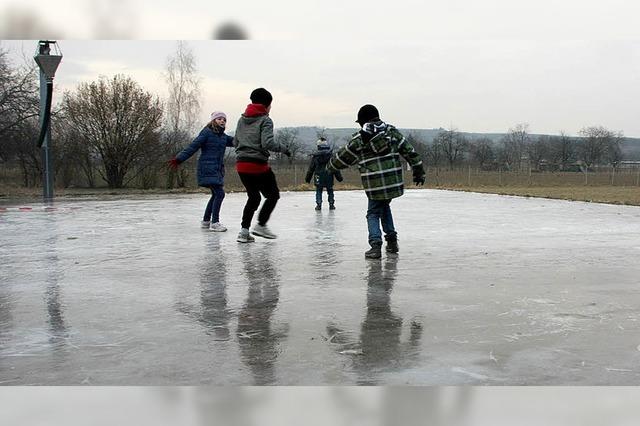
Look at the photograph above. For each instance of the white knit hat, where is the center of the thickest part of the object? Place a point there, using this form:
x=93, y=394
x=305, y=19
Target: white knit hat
x=218, y=114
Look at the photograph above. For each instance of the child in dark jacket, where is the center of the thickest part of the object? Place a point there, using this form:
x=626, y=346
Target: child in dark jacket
x=212, y=143
x=253, y=141
x=377, y=149
x=323, y=178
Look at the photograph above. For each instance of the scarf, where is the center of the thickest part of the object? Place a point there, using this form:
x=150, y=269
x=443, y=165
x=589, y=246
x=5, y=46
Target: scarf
x=372, y=128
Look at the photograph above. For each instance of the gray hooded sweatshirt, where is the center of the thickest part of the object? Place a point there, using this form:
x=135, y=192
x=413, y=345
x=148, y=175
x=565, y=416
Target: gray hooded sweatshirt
x=254, y=139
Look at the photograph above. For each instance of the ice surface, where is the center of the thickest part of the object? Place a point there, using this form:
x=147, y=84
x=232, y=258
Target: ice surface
x=486, y=290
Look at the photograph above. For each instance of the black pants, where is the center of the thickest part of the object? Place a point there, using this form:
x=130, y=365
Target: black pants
x=256, y=184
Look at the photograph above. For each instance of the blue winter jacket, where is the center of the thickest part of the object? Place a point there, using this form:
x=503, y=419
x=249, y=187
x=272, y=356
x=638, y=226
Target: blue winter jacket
x=211, y=162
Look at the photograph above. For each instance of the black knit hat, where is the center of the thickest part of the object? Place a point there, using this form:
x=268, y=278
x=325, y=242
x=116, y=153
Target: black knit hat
x=261, y=96
x=367, y=113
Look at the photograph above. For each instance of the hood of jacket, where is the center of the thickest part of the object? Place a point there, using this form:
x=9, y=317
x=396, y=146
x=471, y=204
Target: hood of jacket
x=372, y=129
x=323, y=155
x=255, y=110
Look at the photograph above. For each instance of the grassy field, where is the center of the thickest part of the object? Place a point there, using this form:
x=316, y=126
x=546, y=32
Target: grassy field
x=595, y=194
x=601, y=187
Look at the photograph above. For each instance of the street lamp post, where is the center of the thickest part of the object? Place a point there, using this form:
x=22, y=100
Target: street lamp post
x=48, y=63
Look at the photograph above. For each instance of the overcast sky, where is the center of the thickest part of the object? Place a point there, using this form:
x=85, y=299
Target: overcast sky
x=476, y=86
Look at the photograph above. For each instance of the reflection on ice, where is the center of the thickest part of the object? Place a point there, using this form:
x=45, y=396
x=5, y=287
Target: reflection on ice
x=258, y=338
x=379, y=348
x=212, y=312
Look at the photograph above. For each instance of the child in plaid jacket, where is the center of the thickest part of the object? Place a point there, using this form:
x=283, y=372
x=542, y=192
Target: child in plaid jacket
x=377, y=149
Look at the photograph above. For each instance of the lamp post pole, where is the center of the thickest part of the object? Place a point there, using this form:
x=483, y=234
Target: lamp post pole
x=47, y=161
x=48, y=63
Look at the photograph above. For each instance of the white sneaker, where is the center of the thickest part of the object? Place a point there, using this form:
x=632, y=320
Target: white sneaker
x=263, y=231
x=218, y=227
x=205, y=224
x=244, y=236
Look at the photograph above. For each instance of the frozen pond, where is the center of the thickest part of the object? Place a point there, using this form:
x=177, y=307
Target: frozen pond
x=486, y=290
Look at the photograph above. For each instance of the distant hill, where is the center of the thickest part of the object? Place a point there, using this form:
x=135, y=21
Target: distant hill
x=308, y=135
x=631, y=149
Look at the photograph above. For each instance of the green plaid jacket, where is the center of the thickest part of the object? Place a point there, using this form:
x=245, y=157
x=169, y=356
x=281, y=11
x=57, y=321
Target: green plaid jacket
x=379, y=162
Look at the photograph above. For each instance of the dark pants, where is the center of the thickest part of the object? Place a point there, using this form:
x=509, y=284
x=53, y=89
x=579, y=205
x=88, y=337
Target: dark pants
x=379, y=212
x=319, y=194
x=256, y=184
x=212, y=211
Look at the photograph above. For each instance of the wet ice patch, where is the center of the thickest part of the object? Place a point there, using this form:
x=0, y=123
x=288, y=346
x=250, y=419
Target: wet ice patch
x=32, y=343
x=528, y=300
x=469, y=373
x=351, y=352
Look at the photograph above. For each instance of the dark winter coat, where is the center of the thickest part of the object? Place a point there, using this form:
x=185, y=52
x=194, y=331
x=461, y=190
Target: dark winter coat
x=318, y=168
x=212, y=145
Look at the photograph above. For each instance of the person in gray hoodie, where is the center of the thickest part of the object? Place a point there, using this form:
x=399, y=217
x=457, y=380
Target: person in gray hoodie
x=253, y=141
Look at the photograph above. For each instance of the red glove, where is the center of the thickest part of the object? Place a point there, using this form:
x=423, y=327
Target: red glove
x=173, y=163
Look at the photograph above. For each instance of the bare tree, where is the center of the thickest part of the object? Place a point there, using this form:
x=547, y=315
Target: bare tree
x=288, y=136
x=418, y=144
x=614, y=150
x=514, y=145
x=118, y=119
x=595, y=143
x=561, y=150
x=75, y=157
x=19, y=110
x=66, y=167
x=434, y=153
x=183, y=105
x=538, y=150
x=25, y=150
x=19, y=101
x=482, y=152
x=452, y=144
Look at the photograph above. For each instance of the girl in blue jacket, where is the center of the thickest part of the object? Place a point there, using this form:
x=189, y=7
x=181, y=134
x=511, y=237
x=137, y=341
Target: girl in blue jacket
x=212, y=142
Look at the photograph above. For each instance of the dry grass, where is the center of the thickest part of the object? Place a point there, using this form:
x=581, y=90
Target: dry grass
x=601, y=187
x=565, y=186
x=596, y=194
